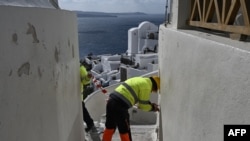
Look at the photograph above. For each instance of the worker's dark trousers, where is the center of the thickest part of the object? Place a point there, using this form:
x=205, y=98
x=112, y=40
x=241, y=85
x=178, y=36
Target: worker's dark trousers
x=117, y=116
x=88, y=89
x=86, y=117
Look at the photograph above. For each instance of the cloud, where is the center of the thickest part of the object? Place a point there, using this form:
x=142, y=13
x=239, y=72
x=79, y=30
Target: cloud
x=147, y=6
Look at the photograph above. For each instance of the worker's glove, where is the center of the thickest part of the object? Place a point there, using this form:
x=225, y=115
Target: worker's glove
x=89, y=75
x=155, y=107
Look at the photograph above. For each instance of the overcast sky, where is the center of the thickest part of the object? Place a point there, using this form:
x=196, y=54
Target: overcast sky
x=146, y=6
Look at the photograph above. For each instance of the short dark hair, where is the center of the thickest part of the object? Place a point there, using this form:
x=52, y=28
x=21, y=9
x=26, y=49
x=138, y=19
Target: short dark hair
x=86, y=65
x=154, y=85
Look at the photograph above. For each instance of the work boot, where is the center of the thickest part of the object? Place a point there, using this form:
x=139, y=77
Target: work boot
x=94, y=134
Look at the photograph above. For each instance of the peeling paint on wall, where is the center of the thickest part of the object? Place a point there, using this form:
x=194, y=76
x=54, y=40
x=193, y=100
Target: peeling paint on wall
x=32, y=30
x=14, y=38
x=56, y=54
x=39, y=72
x=10, y=73
x=68, y=43
x=56, y=75
x=53, y=73
x=73, y=51
x=44, y=46
x=24, y=69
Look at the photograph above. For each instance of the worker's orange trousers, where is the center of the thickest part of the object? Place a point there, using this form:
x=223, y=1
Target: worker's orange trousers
x=124, y=137
x=108, y=133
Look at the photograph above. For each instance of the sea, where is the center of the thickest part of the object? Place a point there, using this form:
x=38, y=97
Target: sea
x=109, y=35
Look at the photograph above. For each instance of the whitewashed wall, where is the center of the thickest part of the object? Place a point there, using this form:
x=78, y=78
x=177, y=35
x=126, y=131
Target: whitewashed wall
x=39, y=75
x=205, y=80
x=31, y=3
x=205, y=83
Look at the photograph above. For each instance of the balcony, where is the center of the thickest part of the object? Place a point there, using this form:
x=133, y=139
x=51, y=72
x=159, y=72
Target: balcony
x=230, y=16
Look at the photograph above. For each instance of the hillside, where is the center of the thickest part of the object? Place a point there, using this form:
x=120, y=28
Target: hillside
x=103, y=14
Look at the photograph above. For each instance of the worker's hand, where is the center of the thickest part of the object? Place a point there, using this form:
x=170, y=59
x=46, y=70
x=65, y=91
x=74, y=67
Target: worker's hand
x=90, y=75
x=155, y=107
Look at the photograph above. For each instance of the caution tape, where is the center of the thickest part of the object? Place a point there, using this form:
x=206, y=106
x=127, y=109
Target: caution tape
x=99, y=85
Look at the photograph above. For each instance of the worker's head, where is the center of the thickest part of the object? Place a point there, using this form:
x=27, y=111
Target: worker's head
x=83, y=62
x=87, y=65
x=155, y=82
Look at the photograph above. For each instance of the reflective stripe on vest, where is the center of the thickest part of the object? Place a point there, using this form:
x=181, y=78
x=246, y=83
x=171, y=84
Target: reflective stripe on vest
x=134, y=95
x=122, y=98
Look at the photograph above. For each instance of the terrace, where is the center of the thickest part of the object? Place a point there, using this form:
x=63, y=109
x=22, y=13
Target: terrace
x=230, y=16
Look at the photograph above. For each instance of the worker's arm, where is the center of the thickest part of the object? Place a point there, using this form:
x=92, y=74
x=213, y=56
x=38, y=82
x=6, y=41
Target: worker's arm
x=148, y=106
x=85, y=76
x=144, y=106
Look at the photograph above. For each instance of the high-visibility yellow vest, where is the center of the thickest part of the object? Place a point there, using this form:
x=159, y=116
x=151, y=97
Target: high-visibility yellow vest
x=84, y=78
x=141, y=87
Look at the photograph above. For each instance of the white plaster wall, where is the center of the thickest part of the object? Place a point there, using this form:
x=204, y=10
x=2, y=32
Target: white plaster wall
x=31, y=3
x=205, y=83
x=179, y=13
x=39, y=85
x=143, y=29
x=133, y=41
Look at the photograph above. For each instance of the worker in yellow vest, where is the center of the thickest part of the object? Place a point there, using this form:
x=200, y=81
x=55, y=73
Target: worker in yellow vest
x=133, y=91
x=85, y=76
x=85, y=91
